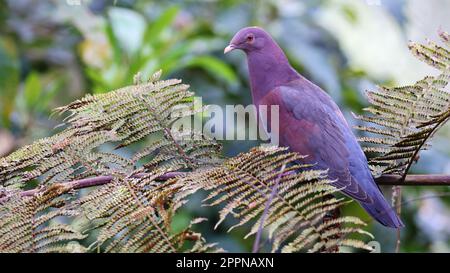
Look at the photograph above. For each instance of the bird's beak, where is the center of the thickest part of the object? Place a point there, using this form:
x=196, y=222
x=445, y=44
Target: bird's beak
x=228, y=48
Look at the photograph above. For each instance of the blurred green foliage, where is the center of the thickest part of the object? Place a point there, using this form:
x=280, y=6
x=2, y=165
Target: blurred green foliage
x=159, y=47
x=52, y=52
x=9, y=78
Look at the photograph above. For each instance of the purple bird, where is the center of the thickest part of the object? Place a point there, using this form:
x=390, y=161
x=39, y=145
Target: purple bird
x=310, y=122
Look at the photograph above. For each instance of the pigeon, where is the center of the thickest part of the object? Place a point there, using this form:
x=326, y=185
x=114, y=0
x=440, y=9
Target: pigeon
x=310, y=122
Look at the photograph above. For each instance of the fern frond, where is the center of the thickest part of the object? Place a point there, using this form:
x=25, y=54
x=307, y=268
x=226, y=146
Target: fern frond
x=120, y=117
x=36, y=224
x=244, y=183
x=403, y=119
x=128, y=214
x=133, y=215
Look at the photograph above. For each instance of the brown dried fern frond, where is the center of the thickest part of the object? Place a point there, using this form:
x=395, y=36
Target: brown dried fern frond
x=126, y=210
x=244, y=183
x=403, y=119
x=37, y=223
x=135, y=215
x=119, y=118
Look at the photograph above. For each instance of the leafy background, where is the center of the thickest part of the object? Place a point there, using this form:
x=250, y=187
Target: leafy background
x=53, y=52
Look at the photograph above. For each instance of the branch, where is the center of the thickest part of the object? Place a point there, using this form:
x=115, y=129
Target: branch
x=414, y=180
x=77, y=184
x=386, y=179
x=92, y=182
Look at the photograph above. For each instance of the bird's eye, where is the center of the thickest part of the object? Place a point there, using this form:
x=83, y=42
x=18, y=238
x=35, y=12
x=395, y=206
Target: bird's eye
x=250, y=38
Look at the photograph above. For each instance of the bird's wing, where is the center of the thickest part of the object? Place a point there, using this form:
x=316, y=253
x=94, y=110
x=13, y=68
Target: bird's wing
x=312, y=124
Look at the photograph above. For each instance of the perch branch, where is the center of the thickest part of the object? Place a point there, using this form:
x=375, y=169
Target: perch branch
x=386, y=179
x=94, y=181
x=414, y=180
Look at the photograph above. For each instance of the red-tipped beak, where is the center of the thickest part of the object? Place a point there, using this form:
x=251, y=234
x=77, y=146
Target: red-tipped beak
x=228, y=49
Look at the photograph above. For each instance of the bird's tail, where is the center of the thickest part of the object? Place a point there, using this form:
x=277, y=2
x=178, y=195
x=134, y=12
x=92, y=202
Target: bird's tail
x=383, y=212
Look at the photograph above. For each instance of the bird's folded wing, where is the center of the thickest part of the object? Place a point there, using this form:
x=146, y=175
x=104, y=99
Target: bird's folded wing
x=311, y=124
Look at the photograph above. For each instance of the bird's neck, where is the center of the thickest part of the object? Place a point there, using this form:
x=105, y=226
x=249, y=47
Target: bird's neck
x=268, y=71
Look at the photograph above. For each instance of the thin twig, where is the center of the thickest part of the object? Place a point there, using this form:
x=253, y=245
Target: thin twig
x=266, y=210
x=398, y=190
x=397, y=203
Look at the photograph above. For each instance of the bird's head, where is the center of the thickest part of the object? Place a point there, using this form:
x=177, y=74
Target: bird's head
x=249, y=39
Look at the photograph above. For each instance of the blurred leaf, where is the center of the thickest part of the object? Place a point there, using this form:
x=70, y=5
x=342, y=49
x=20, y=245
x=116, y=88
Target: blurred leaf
x=215, y=67
x=161, y=23
x=172, y=58
x=128, y=27
x=50, y=91
x=32, y=90
x=9, y=79
x=113, y=42
x=153, y=48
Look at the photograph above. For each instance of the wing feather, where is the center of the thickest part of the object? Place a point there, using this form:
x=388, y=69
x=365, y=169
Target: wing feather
x=312, y=124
